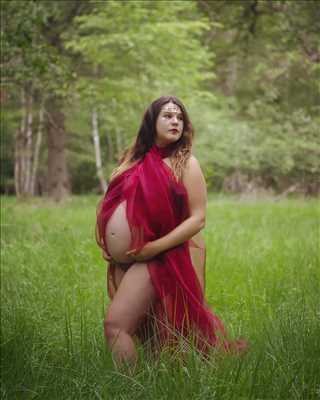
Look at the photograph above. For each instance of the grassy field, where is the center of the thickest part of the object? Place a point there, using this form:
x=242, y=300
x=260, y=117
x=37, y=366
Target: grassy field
x=263, y=280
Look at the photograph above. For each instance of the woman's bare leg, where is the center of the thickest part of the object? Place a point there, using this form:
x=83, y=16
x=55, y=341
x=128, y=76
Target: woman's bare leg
x=131, y=301
x=118, y=275
x=113, y=279
x=197, y=255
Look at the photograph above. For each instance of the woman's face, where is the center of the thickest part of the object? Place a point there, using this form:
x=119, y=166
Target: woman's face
x=169, y=125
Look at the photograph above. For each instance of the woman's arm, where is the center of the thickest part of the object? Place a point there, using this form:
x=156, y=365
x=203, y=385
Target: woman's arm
x=195, y=185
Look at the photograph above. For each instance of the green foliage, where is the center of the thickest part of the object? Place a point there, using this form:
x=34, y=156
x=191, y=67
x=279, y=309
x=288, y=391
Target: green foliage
x=84, y=178
x=30, y=57
x=134, y=60
x=246, y=70
x=267, y=57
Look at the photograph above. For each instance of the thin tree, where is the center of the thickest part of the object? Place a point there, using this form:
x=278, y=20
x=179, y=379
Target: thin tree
x=97, y=149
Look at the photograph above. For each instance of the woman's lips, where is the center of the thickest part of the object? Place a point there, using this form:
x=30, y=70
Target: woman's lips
x=174, y=130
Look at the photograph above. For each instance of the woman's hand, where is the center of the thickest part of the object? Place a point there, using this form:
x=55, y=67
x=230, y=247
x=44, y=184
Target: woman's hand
x=106, y=256
x=148, y=251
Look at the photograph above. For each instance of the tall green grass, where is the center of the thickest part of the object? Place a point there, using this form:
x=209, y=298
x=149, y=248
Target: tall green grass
x=262, y=280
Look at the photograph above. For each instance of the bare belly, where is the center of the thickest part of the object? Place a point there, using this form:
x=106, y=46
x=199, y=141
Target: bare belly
x=118, y=234
x=118, y=238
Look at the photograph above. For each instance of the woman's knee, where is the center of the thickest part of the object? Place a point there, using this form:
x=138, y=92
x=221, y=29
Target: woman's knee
x=112, y=328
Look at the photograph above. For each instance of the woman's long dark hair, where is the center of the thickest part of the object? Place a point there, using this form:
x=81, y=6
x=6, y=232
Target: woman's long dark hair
x=147, y=133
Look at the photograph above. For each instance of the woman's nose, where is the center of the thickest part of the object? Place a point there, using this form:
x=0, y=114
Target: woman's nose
x=175, y=120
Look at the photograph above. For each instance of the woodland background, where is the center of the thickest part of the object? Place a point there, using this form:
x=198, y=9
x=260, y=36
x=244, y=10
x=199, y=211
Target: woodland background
x=77, y=76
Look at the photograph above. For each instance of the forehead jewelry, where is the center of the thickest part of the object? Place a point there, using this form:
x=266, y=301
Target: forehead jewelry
x=171, y=108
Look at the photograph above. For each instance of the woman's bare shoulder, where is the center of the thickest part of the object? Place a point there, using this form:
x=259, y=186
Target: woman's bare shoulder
x=192, y=166
x=195, y=185
x=192, y=160
x=192, y=174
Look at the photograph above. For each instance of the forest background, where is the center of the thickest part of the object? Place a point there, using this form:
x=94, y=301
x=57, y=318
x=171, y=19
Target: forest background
x=77, y=76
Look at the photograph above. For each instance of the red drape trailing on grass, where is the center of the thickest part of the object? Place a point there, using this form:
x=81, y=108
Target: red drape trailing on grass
x=156, y=204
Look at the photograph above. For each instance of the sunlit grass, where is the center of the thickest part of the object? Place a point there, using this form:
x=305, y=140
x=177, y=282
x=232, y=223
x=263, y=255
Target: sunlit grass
x=262, y=280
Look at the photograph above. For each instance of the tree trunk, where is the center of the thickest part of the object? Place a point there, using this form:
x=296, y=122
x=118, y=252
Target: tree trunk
x=97, y=150
x=37, y=151
x=18, y=156
x=23, y=146
x=17, y=162
x=28, y=147
x=58, y=176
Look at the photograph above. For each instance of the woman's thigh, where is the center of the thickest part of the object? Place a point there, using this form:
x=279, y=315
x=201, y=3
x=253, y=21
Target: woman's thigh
x=132, y=300
x=118, y=275
x=197, y=255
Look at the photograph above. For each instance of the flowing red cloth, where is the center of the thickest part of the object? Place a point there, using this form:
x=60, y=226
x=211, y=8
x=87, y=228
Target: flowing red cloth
x=156, y=204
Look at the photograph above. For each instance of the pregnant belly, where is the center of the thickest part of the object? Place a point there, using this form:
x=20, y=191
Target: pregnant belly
x=118, y=234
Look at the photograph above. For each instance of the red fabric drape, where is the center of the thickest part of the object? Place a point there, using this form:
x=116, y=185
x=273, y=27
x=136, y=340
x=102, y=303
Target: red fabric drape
x=156, y=204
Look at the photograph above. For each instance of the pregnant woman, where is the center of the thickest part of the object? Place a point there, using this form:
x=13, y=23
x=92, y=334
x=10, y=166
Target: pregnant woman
x=148, y=226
